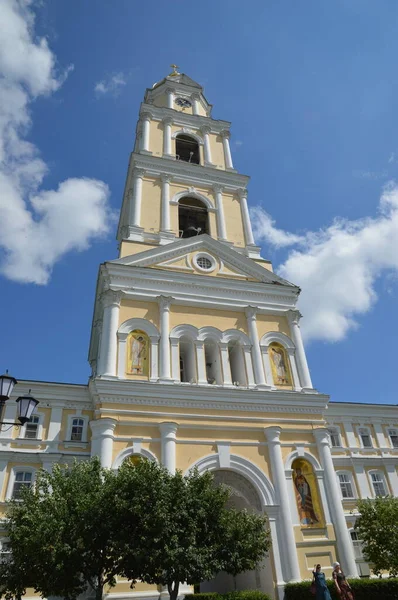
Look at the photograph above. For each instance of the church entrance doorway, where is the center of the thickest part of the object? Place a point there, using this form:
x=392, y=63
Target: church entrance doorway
x=244, y=496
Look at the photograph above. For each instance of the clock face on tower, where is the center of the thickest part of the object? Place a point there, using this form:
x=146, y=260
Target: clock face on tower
x=183, y=102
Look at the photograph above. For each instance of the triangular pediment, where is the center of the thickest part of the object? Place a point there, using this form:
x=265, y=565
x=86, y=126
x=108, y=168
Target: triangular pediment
x=180, y=256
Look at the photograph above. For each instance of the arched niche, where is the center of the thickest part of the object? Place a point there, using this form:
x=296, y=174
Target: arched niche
x=187, y=148
x=307, y=494
x=279, y=360
x=193, y=217
x=126, y=336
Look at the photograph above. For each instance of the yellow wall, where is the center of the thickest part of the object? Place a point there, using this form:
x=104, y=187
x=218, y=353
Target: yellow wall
x=130, y=309
x=200, y=317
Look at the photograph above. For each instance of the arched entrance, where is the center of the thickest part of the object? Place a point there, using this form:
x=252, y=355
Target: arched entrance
x=244, y=496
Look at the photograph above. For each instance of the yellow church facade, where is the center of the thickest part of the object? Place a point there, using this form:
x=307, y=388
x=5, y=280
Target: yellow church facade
x=198, y=361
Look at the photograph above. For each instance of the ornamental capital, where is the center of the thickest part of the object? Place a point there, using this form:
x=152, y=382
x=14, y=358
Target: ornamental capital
x=251, y=312
x=138, y=173
x=294, y=316
x=111, y=298
x=146, y=115
x=242, y=193
x=218, y=189
x=195, y=96
x=225, y=133
x=164, y=178
x=273, y=434
x=205, y=129
x=164, y=302
x=167, y=121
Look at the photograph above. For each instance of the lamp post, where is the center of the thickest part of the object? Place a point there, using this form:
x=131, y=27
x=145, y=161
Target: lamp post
x=26, y=404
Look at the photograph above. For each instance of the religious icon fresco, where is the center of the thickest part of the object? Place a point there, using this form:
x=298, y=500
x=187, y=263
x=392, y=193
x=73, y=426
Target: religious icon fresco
x=280, y=365
x=307, y=495
x=138, y=354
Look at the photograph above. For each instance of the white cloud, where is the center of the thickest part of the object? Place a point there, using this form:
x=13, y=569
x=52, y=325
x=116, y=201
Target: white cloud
x=37, y=227
x=112, y=85
x=264, y=229
x=337, y=268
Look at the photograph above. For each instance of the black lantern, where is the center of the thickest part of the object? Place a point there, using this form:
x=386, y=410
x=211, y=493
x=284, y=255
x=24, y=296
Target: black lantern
x=6, y=386
x=26, y=406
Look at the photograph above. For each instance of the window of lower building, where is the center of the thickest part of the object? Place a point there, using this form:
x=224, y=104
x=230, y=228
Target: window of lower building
x=22, y=479
x=335, y=441
x=346, y=485
x=32, y=428
x=77, y=430
x=379, y=486
x=357, y=543
x=393, y=434
x=366, y=440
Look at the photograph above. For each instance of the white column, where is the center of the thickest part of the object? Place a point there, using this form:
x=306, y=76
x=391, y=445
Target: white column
x=222, y=232
x=108, y=352
x=136, y=198
x=226, y=367
x=168, y=432
x=167, y=136
x=170, y=98
x=293, y=365
x=175, y=359
x=201, y=361
x=3, y=473
x=154, y=372
x=102, y=440
x=267, y=367
x=247, y=226
x=247, y=353
x=227, y=150
x=9, y=413
x=294, y=317
x=146, y=119
x=362, y=480
x=256, y=352
x=165, y=217
x=350, y=435
x=392, y=477
x=344, y=545
x=285, y=524
x=164, y=310
x=206, y=139
x=54, y=428
x=380, y=437
x=195, y=103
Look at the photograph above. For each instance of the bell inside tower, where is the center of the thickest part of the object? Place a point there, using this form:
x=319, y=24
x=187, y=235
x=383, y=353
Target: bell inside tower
x=193, y=218
x=187, y=149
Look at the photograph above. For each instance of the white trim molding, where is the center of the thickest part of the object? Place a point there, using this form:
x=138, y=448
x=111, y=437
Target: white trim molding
x=134, y=450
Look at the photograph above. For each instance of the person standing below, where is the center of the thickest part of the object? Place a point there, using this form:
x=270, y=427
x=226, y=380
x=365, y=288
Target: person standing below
x=342, y=586
x=322, y=592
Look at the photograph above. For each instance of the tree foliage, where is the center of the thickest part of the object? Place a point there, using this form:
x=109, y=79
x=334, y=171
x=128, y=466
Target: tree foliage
x=84, y=525
x=377, y=527
x=199, y=536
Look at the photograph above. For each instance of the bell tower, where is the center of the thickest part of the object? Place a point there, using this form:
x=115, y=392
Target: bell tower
x=189, y=300
x=181, y=181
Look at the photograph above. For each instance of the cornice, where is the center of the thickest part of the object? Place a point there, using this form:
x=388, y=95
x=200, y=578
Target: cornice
x=55, y=394
x=206, y=397
x=188, y=172
x=137, y=283
x=181, y=118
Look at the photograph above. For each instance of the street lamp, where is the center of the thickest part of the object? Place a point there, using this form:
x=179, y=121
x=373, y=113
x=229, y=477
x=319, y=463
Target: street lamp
x=26, y=404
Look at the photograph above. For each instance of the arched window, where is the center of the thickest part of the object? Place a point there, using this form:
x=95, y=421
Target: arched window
x=307, y=494
x=187, y=149
x=280, y=365
x=138, y=350
x=193, y=218
x=213, y=363
x=187, y=361
x=237, y=363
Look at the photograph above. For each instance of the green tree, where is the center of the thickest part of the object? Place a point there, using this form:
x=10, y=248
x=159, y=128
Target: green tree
x=192, y=532
x=64, y=533
x=377, y=527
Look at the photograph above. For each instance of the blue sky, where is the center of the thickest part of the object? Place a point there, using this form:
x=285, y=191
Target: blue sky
x=311, y=90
